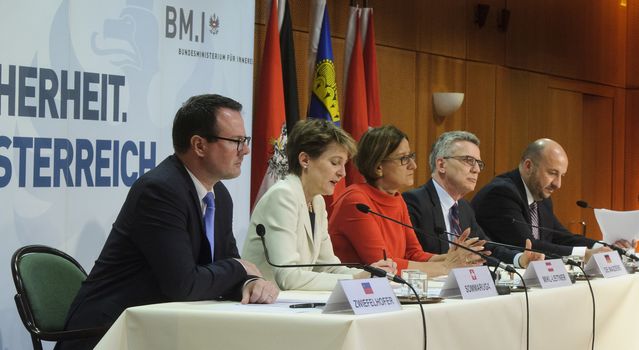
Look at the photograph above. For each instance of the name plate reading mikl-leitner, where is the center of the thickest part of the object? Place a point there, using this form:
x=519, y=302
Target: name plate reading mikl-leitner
x=547, y=274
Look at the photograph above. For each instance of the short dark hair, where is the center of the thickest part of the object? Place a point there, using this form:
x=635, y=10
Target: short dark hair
x=313, y=136
x=375, y=145
x=194, y=118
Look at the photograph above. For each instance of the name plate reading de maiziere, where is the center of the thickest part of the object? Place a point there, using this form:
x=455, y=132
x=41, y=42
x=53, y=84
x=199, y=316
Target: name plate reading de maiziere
x=547, y=274
x=469, y=283
x=606, y=264
x=362, y=296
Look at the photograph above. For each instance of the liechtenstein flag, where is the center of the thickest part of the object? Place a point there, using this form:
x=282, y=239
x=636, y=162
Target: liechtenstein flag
x=367, y=288
x=324, y=102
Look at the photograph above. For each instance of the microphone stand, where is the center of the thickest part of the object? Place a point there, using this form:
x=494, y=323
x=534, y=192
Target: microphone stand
x=573, y=263
x=621, y=251
x=565, y=259
x=489, y=259
x=374, y=271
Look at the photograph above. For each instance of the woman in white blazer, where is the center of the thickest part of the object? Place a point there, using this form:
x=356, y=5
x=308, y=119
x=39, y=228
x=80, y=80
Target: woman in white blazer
x=293, y=211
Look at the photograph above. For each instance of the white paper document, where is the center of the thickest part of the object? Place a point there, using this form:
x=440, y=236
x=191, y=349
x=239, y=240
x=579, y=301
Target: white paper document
x=616, y=225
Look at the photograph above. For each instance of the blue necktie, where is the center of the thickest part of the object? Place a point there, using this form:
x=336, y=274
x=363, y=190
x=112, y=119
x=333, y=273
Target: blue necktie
x=209, y=218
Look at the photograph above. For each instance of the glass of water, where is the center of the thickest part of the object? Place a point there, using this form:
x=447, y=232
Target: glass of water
x=417, y=279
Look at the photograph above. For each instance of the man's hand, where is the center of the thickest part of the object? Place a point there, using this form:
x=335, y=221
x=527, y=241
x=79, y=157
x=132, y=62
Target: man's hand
x=590, y=252
x=250, y=268
x=529, y=256
x=462, y=258
x=260, y=291
x=623, y=244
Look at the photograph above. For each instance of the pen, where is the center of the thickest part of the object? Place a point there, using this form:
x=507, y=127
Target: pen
x=306, y=305
x=384, y=251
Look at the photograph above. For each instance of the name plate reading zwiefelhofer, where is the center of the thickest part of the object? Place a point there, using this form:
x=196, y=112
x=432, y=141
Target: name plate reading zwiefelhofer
x=362, y=296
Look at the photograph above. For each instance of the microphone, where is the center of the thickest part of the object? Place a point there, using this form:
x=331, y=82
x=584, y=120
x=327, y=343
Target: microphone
x=374, y=271
x=584, y=204
x=516, y=247
x=621, y=251
x=566, y=260
x=491, y=261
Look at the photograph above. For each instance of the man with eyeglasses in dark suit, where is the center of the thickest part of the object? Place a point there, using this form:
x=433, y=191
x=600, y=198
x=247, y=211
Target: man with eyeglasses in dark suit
x=173, y=239
x=438, y=207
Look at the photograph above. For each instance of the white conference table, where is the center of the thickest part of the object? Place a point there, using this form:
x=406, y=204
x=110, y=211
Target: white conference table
x=560, y=318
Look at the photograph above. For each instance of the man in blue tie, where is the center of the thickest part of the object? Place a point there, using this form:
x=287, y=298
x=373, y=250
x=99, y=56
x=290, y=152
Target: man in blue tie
x=173, y=239
x=438, y=206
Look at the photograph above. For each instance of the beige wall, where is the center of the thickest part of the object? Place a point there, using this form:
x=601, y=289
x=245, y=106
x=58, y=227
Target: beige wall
x=564, y=69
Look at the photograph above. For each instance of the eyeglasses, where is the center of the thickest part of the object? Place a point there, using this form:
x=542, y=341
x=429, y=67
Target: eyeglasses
x=471, y=161
x=241, y=141
x=403, y=160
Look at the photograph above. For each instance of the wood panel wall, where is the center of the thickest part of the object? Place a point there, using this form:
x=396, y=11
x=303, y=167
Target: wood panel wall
x=564, y=69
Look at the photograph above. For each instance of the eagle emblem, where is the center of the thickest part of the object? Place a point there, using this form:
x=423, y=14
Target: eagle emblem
x=214, y=24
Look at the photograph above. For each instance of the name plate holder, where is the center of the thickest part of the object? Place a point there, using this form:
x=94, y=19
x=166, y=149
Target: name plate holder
x=547, y=274
x=606, y=264
x=361, y=297
x=469, y=283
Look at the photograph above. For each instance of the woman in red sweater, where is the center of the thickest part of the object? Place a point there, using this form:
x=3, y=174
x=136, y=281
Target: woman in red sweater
x=386, y=162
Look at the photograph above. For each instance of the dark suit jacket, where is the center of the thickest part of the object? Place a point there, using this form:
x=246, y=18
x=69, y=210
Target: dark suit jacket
x=157, y=252
x=425, y=211
x=504, y=199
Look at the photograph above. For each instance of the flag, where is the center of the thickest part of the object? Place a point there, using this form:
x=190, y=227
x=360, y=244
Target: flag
x=316, y=15
x=355, y=119
x=324, y=100
x=370, y=69
x=269, y=116
x=549, y=266
x=367, y=288
x=289, y=75
x=367, y=33
x=349, y=41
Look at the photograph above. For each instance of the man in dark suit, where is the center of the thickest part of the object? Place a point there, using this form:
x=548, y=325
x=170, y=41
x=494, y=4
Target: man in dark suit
x=512, y=202
x=158, y=250
x=438, y=206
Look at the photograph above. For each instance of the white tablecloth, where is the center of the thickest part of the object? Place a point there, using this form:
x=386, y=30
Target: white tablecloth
x=559, y=319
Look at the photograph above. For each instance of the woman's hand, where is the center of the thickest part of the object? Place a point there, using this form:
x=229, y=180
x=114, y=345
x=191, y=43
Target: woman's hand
x=387, y=265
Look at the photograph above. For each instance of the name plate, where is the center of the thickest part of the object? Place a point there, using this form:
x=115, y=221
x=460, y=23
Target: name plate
x=606, y=264
x=469, y=283
x=362, y=296
x=547, y=274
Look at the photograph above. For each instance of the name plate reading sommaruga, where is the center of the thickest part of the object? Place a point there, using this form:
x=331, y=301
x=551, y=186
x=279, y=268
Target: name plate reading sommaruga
x=469, y=283
x=606, y=264
x=362, y=296
x=547, y=274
